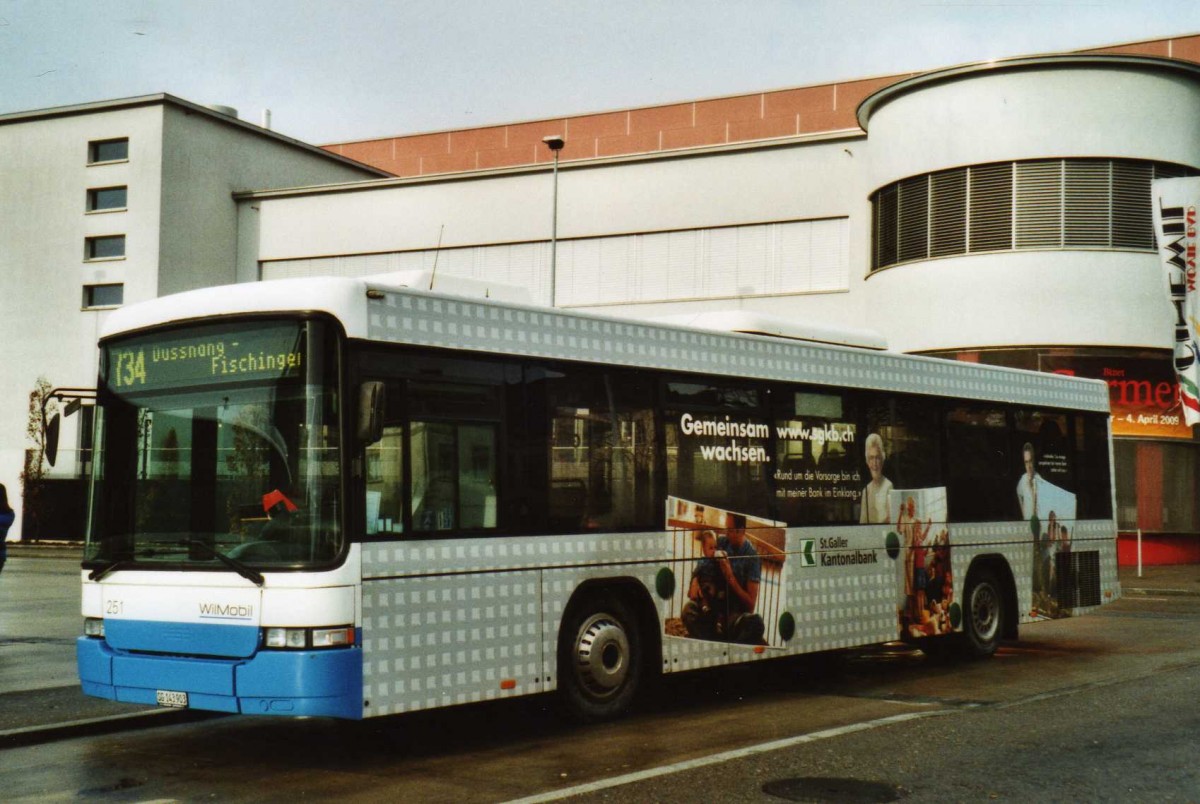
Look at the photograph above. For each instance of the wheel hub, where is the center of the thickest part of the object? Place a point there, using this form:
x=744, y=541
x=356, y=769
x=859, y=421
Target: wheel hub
x=602, y=655
x=985, y=611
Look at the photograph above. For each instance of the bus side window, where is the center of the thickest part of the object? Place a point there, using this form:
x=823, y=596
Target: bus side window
x=717, y=438
x=910, y=427
x=599, y=449
x=1094, y=483
x=453, y=446
x=1045, y=488
x=978, y=485
x=819, y=471
x=453, y=475
x=385, y=470
x=385, y=479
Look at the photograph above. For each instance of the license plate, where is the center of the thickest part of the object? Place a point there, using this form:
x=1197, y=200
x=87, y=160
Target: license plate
x=171, y=698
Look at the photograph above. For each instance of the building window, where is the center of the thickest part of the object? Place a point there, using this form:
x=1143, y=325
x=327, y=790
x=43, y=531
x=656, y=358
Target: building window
x=1158, y=484
x=115, y=150
x=106, y=247
x=103, y=199
x=1008, y=206
x=103, y=296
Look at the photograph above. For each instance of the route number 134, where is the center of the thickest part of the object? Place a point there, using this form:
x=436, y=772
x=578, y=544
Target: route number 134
x=130, y=369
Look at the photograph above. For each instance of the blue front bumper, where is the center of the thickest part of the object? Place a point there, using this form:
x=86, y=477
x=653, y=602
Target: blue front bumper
x=325, y=683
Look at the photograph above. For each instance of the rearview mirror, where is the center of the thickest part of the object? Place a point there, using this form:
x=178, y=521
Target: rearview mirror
x=75, y=398
x=370, y=412
x=52, y=439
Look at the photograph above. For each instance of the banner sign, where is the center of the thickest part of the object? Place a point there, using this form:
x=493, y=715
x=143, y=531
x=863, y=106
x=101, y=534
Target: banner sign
x=1175, y=205
x=1142, y=392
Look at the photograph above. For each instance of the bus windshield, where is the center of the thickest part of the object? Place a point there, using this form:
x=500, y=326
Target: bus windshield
x=217, y=447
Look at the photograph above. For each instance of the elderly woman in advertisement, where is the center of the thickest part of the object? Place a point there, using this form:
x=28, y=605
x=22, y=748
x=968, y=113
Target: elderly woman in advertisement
x=876, y=507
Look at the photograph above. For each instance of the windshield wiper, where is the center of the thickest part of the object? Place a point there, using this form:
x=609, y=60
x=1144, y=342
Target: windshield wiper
x=99, y=573
x=241, y=569
x=256, y=578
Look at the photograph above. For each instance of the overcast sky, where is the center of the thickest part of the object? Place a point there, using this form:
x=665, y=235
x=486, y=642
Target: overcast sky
x=336, y=70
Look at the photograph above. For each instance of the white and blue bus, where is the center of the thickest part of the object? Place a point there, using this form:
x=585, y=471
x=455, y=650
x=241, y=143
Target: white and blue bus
x=346, y=498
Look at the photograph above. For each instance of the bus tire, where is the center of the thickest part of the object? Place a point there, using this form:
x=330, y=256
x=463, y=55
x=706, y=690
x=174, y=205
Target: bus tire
x=600, y=665
x=985, y=612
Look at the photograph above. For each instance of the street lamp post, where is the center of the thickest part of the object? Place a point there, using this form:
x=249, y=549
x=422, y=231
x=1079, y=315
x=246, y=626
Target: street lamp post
x=555, y=143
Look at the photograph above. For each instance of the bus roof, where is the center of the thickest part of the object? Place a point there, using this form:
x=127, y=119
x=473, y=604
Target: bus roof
x=380, y=311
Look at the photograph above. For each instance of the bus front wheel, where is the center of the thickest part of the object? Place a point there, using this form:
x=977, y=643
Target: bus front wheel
x=984, y=621
x=599, y=660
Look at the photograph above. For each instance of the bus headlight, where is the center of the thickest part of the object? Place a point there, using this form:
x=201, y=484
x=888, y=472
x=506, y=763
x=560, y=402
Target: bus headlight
x=332, y=637
x=286, y=638
x=300, y=638
x=93, y=627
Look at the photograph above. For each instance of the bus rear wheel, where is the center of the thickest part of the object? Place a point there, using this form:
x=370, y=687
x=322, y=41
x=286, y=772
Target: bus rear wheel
x=600, y=660
x=984, y=621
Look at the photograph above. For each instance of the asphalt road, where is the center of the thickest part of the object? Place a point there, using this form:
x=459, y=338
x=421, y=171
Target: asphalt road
x=39, y=621
x=39, y=612
x=1108, y=729
x=1102, y=708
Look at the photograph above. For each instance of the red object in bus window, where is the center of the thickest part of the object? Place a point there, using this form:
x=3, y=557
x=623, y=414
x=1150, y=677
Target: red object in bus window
x=277, y=497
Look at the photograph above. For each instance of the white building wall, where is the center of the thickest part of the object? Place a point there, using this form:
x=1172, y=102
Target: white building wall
x=1028, y=298
x=1053, y=109
x=691, y=265
x=43, y=223
x=404, y=217
x=764, y=228
x=205, y=161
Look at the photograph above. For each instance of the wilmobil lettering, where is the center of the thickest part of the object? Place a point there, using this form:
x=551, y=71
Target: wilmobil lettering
x=226, y=611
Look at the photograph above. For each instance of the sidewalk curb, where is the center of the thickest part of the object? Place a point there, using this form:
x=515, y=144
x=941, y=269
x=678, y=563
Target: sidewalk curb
x=1144, y=591
x=66, y=551
x=110, y=724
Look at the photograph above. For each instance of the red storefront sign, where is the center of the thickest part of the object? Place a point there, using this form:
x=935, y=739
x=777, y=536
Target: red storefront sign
x=1143, y=392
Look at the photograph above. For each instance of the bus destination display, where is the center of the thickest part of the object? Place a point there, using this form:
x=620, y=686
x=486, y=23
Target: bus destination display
x=201, y=357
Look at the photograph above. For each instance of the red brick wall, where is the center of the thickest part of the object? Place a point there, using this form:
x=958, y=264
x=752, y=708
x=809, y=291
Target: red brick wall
x=741, y=118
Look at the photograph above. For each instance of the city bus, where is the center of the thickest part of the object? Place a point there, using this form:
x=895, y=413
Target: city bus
x=347, y=498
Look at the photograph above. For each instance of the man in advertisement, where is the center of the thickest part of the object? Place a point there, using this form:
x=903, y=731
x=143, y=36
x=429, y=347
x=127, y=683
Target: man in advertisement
x=740, y=564
x=1027, y=486
x=729, y=566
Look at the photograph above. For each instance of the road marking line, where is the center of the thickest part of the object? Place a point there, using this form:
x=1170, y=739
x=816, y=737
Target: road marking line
x=726, y=756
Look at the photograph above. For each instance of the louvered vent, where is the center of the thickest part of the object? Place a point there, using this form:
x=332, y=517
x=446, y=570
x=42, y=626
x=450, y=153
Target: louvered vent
x=886, y=226
x=914, y=218
x=991, y=213
x=1077, y=578
x=1133, y=219
x=948, y=213
x=1087, y=196
x=1036, y=204
x=1039, y=204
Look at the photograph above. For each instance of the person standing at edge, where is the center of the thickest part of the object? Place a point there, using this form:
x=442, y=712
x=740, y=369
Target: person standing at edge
x=7, y=515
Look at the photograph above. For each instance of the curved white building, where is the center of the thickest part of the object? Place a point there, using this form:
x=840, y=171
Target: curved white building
x=1018, y=192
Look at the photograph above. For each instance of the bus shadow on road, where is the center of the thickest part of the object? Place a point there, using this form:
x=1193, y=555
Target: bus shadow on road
x=895, y=672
